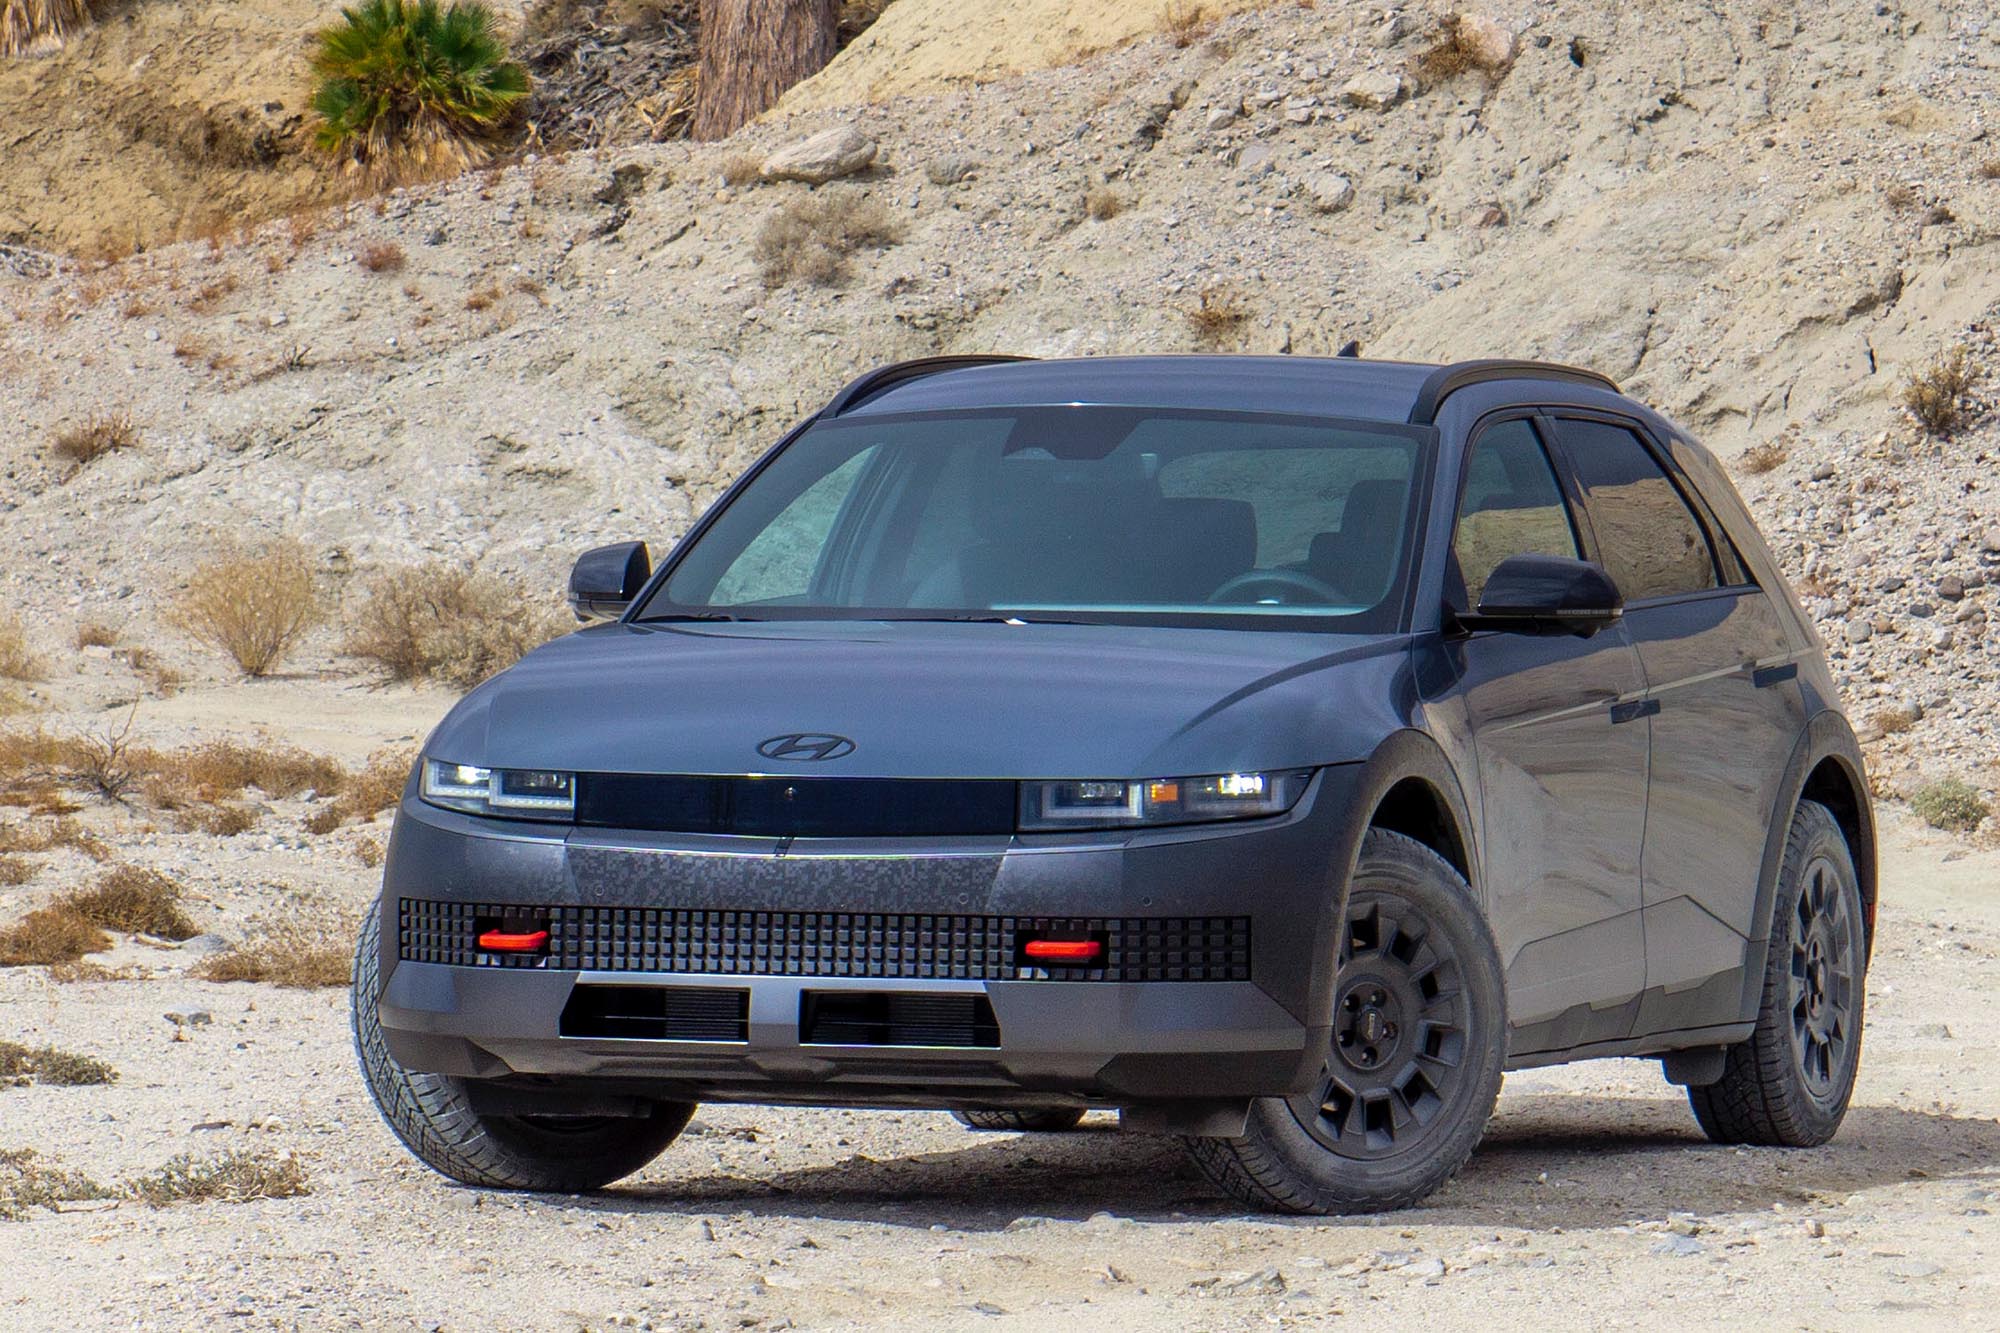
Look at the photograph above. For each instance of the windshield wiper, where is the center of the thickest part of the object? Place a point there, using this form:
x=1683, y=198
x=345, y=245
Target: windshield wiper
x=692, y=615
x=986, y=618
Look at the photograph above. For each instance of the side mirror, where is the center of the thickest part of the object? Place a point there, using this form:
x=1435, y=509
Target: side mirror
x=1547, y=594
x=604, y=580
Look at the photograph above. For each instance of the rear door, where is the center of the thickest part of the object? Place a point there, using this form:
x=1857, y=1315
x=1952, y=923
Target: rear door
x=1721, y=681
x=1561, y=754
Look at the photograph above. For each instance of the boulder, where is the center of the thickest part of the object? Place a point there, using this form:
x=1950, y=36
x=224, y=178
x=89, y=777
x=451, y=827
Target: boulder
x=825, y=156
x=1377, y=90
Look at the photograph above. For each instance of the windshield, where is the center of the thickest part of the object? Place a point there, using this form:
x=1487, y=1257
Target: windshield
x=1095, y=514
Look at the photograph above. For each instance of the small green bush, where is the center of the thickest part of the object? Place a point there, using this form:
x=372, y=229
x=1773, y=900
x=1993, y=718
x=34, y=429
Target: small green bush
x=1950, y=804
x=409, y=90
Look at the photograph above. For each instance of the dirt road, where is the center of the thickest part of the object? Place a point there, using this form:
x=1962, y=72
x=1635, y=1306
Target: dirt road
x=1594, y=1200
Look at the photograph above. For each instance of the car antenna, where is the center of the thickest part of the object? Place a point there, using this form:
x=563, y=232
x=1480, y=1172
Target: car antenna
x=1350, y=348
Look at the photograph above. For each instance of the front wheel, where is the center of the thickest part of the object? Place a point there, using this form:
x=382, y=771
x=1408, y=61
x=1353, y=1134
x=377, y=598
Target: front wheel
x=435, y=1119
x=1413, y=1069
x=1053, y=1120
x=1789, y=1085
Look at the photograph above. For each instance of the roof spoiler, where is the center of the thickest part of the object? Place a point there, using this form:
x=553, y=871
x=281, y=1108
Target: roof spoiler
x=1448, y=380
x=879, y=381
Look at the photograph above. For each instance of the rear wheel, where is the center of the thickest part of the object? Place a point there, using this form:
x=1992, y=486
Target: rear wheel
x=1414, y=1064
x=1789, y=1085
x=434, y=1118
x=1054, y=1120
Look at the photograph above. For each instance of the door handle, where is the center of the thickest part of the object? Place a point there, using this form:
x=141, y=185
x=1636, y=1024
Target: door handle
x=1633, y=711
x=1765, y=677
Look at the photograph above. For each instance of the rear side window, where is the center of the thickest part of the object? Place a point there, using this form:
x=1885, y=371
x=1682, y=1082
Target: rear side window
x=1512, y=506
x=1647, y=537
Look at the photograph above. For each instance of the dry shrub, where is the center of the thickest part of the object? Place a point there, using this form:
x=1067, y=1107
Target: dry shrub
x=381, y=257
x=1937, y=396
x=15, y=871
x=305, y=950
x=483, y=296
x=135, y=901
x=17, y=662
x=64, y=1069
x=210, y=295
x=90, y=635
x=368, y=851
x=218, y=821
x=1183, y=22
x=236, y=1177
x=1216, y=317
x=25, y=1184
x=220, y=770
x=811, y=237
x=45, y=835
x=377, y=787
x=1764, y=456
x=40, y=25
x=446, y=623
x=740, y=169
x=100, y=435
x=90, y=970
x=1990, y=169
x=1899, y=196
x=1893, y=720
x=253, y=605
x=47, y=935
x=1453, y=51
x=1103, y=204
x=188, y=348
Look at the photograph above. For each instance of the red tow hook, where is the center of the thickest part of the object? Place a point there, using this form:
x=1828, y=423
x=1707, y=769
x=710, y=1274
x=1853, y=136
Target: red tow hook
x=1062, y=951
x=503, y=941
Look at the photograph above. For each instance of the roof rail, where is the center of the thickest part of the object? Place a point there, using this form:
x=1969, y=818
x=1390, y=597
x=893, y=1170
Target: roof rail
x=1448, y=380
x=884, y=378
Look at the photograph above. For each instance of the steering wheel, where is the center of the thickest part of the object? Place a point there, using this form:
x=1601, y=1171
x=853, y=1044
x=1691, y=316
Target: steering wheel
x=1276, y=583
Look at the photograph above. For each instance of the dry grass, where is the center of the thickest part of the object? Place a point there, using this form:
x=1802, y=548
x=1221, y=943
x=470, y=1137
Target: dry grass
x=377, y=787
x=253, y=605
x=1103, y=204
x=47, y=835
x=189, y=348
x=17, y=660
x=1990, y=169
x=102, y=434
x=306, y=950
x=1899, y=196
x=445, y=623
x=92, y=635
x=32, y=26
x=49, y=935
x=134, y=901
x=1184, y=22
x=381, y=257
x=1217, y=316
x=1453, y=51
x=1893, y=721
x=368, y=851
x=484, y=296
x=811, y=237
x=63, y=1069
x=740, y=169
x=25, y=1184
x=1938, y=395
x=237, y=1177
x=1763, y=457
x=209, y=297
x=16, y=871
x=220, y=770
x=218, y=821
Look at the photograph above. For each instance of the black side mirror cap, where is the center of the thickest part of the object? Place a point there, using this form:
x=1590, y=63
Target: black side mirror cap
x=605, y=579
x=1546, y=594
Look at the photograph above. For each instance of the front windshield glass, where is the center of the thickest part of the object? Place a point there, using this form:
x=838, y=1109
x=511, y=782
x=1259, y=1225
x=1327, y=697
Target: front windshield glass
x=1117, y=515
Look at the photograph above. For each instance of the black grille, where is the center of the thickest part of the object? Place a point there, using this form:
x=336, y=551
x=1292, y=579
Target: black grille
x=657, y=1013
x=879, y=1018
x=879, y=945
x=794, y=807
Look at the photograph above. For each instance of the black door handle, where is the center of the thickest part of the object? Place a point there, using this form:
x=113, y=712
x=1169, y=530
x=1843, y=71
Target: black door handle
x=1765, y=677
x=1633, y=711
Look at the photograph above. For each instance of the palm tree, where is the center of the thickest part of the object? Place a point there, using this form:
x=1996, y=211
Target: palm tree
x=752, y=51
x=28, y=24
x=409, y=90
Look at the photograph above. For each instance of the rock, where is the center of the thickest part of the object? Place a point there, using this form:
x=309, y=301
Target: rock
x=1893, y=583
x=1027, y=1223
x=1377, y=90
x=1951, y=588
x=1488, y=41
x=1264, y=1282
x=1222, y=117
x=1392, y=30
x=1329, y=191
x=1822, y=472
x=189, y=1018
x=1423, y=1268
x=987, y=1308
x=1935, y=1031
x=1920, y=610
x=1907, y=1268
x=1859, y=631
x=828, y=155
x=951, y=170
x=203, y=945
x=1254, y=160
x=1990, y=542
x=1680, y=1247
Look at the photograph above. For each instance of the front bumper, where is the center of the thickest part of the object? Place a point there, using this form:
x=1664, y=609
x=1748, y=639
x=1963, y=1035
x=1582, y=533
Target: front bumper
x=1236, y=1023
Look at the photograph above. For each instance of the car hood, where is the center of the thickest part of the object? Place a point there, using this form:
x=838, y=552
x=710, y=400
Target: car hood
x=920, y=699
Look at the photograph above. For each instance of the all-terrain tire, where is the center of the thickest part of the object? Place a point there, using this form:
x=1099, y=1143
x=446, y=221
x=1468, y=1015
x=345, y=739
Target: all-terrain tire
x=433, y=1117
x=1054, y=1120
x=1789, y=1084
x=1414, y=1066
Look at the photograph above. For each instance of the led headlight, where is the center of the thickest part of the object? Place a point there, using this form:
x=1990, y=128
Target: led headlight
x=1049, y=806
x=512, y=793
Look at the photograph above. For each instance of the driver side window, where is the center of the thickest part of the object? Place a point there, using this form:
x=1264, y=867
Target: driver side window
x=1511, y=505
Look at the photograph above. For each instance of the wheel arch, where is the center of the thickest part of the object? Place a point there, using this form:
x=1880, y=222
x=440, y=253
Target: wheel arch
x=1826, y=766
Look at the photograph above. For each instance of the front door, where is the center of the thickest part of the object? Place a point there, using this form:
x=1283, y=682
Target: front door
x=1561, y=751
x=1722, y=679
